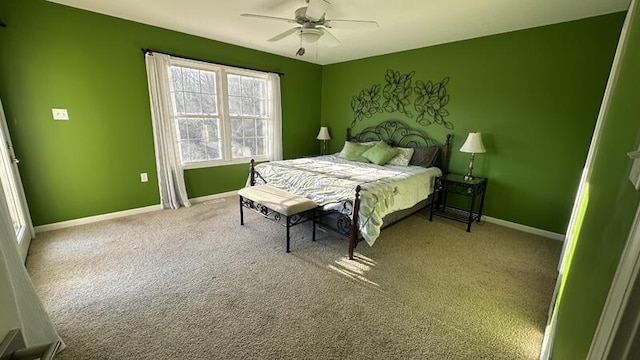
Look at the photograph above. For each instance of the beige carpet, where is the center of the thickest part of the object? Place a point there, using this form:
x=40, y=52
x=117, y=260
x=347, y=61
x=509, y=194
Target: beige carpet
x=194, y=284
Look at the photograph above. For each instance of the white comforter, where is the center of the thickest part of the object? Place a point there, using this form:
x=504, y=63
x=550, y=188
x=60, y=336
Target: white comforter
x=331, y=180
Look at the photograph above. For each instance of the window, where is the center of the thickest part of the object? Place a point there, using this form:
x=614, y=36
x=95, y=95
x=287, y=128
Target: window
x=248, y=114
x=222, y=115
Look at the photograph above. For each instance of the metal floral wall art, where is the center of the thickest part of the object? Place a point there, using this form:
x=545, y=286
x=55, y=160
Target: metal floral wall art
x=365, y=104
x=430, y=103
x=397, y=91
x=430, y=99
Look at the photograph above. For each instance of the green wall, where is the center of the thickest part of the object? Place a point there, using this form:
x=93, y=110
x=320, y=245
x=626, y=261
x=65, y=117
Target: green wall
x=534, y=94
x=53, y=56
x=608, y=212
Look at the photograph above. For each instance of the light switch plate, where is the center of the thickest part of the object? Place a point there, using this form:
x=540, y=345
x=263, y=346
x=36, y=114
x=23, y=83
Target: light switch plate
x=634, y=175
x=60, y=114
x=144, y=177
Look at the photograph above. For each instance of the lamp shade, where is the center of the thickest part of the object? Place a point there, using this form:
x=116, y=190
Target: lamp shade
x=323, y=134
x=473, y=144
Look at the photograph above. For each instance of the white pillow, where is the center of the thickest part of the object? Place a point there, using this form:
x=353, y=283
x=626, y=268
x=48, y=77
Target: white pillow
x=344, y=148
x=403, y=158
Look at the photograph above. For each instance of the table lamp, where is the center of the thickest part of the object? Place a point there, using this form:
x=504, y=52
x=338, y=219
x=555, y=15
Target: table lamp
x=472, y=145
x=323, y=136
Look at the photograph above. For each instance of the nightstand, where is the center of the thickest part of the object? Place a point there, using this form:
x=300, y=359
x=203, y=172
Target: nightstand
x=456, y=184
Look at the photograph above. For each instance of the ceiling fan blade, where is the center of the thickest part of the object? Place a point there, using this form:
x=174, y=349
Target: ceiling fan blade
x=268, y=17
x=285, y=34
x=329, y=39
x=351, y=24
x=316, y=9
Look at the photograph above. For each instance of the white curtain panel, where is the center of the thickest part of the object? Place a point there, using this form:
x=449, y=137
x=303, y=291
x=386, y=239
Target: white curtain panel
x=20, y=306
x=173, y=192
x=275, y=152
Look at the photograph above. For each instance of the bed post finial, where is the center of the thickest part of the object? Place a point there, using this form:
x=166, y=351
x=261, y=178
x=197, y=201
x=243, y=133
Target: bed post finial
x=252, y=176
x=353, y=235
x=447, y=154
x=348, y=134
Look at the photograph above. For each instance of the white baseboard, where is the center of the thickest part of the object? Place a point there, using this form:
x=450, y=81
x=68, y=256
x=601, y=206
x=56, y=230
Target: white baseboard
x=96, y=218
x=123, y=213
x=525, y=228
x=200, y=199
x=213, y=197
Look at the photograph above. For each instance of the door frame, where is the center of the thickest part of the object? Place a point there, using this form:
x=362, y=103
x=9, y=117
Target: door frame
x=25, y=236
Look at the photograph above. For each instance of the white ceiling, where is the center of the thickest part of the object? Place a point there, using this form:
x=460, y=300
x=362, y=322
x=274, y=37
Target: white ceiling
x=404, y=24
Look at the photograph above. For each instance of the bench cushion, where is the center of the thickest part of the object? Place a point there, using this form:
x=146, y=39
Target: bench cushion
x=278, y=200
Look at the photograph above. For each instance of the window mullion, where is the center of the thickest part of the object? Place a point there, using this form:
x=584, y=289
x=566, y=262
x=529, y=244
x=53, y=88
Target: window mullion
x=223, y=91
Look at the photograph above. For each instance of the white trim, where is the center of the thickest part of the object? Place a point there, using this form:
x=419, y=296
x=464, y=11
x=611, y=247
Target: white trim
x=213, y=196
x=525, y=228
x=123, y=213
x=214, y=163
x=204, y=65
x=550, y=329
x=200, y=199
x=95, y=218
x=619, y=294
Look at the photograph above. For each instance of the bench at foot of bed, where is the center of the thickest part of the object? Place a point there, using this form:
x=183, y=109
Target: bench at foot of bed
x=274, y=204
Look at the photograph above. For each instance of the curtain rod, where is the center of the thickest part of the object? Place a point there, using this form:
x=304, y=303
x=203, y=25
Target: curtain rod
x=145, y=51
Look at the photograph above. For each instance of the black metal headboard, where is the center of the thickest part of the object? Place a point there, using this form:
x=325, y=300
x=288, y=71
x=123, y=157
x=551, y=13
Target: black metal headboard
x=397, y=133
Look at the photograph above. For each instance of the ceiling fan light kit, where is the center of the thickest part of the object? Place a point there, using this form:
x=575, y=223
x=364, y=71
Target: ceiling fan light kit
x=310, y=35
x=312, y=25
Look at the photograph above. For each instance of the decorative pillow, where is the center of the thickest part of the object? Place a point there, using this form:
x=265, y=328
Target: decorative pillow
x=425, y=156
x=380, y=153
x=344, y=148
x=403, y=158
x=354, y=151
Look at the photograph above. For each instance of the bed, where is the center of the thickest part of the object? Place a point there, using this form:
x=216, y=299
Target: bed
x=357, y=199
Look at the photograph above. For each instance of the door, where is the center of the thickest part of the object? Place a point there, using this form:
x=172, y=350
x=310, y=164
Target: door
x=581, y=204
x=13, y=191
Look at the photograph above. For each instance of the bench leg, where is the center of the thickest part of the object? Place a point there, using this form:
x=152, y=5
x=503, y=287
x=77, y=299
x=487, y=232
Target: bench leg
x=288, y=227
x=313, y=236
x=241, y=212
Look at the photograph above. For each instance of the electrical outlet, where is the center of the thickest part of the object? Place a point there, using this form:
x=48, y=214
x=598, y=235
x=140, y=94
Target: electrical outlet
x=144, y=177
x=60, y=114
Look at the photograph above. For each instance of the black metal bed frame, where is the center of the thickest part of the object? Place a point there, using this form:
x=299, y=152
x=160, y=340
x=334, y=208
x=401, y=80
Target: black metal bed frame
x=393, y=132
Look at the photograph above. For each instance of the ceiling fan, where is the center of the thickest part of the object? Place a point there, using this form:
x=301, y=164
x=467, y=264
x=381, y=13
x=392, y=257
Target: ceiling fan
x=312, y=24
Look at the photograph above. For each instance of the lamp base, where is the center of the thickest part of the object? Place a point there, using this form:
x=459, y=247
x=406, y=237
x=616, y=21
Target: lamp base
x=323, y=147
x=469, y=177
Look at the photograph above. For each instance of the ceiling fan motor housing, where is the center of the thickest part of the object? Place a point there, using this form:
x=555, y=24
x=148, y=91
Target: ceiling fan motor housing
x=303, y=19
x=301, y=15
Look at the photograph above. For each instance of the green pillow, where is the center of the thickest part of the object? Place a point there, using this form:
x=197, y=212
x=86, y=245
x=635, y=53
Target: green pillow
x=380, y=153
x=354, y=151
